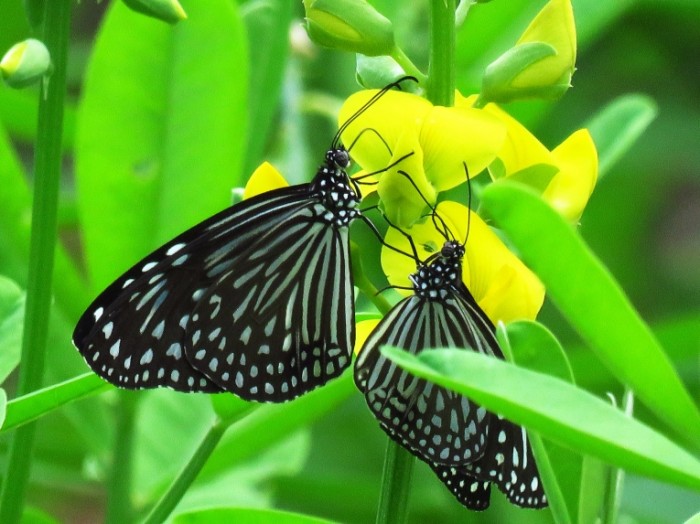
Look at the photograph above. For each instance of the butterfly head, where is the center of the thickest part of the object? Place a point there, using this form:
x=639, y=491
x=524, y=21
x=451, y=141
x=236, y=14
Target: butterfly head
x=440, y=272
x=338, y=158
x=452, y=251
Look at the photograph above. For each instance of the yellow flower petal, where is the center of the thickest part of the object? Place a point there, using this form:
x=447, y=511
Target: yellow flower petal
x=372, y=138
x=500, y=283
x=453, y=136
x=515, y=294
x=264, y=178
x=404, y=189
x=571, y=188
x=362, y=332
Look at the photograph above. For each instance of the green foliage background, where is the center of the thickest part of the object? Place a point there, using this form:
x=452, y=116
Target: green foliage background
x=155, y=140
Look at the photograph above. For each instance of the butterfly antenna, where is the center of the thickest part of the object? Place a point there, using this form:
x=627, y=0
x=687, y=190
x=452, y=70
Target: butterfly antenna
x=443, y=228
x=384, y=169
x=469, y=202
x=375, y=97
x=370, y=129
x=376, y=232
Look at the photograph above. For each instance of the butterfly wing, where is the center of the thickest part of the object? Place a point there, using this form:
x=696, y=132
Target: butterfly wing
x=436, y=424
x=284, y=324
x=471, y=492
x=132, y=335
x=507, y=462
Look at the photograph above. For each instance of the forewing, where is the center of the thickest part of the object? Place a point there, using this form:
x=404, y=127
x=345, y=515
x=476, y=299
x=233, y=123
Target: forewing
x=281, y=322
x=132, y=335
x=436, y=424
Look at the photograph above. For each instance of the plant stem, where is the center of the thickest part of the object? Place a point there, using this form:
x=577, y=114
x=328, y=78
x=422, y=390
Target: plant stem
x=184, y=480
x=55, y=32
x=616, y=475
x=441, y=82
x=119, y=502
x=396, y=483
x=407, y=65
x=398, y=463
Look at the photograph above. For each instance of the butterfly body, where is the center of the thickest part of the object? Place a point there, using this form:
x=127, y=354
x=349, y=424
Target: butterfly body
x=256, y=300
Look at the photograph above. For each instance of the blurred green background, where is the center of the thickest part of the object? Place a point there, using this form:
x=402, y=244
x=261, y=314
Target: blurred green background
x=643, y=220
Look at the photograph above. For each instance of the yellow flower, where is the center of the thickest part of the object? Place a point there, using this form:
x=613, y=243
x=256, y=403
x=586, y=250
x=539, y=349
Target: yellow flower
x=440, y=141
x=564, y=176
x=501, y=284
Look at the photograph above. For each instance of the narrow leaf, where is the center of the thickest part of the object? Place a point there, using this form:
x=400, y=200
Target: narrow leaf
x=617, y=126
x=245, y=516
x=39, y=403
x=576, y=419
x=161, y=130
x=593, y=303
x=11, y=322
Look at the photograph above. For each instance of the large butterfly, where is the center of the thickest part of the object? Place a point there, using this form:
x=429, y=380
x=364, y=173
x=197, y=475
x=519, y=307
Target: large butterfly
x=467, y=446
x=256, y=300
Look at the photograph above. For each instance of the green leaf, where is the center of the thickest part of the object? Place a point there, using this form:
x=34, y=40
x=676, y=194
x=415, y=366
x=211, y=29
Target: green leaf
x=594, y=484
x=695, y=519
x=593, y=303
x=11, y=322
x=535, y=347
x=43, y=401
x=267, y=23
x=245, y=516
x=161, y=130
x=32, y=515
x=577, y=419
x=532, y=346
x=3, y=407
x=271, y=423
x=617, y=126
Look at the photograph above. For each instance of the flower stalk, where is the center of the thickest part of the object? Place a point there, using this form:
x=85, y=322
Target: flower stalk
x=57, y=16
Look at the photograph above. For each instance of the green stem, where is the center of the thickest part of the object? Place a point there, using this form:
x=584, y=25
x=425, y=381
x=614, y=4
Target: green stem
x=616, y=475
x=184, y=480
x=398, y=462
x=57, y=17
x=396, y=483
x=407, y=65
x=119, y=504
x=441, y=84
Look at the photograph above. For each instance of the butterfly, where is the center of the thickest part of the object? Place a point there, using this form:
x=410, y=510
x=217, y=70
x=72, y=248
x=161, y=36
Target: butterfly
x=468, y=447
x=256, y=300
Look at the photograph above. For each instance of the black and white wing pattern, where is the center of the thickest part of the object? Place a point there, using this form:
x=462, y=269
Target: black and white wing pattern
x=468, y=447
x=141, y=331
x=507, y=462
x=294, y=329
x=436, y=424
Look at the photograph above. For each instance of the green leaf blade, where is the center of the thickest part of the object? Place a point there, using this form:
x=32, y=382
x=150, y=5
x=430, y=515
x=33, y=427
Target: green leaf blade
x=154, y=156
x=576, y=419
x=593, y=303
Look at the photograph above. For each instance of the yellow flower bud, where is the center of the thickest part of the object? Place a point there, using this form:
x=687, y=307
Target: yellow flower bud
x=350, y=25
x=25, y=63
